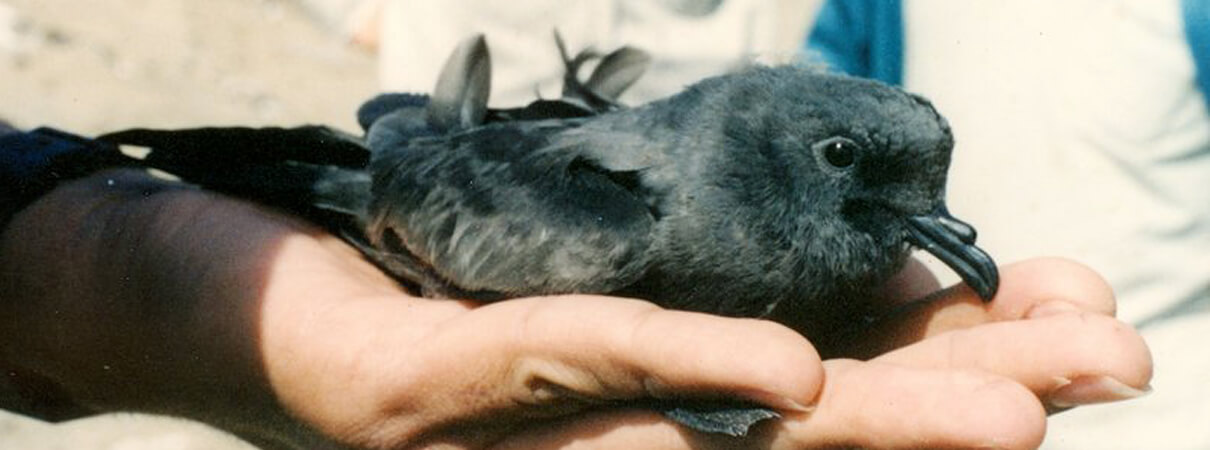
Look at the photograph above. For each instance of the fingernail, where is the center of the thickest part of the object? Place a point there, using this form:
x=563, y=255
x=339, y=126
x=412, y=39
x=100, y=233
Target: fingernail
x=1091, y=389
x=1051, y=308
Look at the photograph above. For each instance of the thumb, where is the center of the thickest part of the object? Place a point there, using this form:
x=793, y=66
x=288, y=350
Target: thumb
x=545, y=357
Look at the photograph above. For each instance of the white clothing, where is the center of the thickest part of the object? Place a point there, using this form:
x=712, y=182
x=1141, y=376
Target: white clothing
x=1080, y=133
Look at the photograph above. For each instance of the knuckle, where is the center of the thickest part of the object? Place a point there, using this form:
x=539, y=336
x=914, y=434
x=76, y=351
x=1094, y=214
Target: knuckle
x=551, y=388
x=1019, y=418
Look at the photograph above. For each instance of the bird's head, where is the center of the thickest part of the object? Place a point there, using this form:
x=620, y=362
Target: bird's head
x=863, y=165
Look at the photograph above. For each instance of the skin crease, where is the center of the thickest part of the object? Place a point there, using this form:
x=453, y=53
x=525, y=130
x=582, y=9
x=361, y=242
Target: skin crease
x=131, y=293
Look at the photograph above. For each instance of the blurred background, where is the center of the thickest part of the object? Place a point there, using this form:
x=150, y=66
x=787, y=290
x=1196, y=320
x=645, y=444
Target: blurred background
x=1081, y=128
x=94, y=66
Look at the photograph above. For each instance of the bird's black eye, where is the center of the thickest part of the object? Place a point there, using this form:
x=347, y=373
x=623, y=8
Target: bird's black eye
x=839, y=152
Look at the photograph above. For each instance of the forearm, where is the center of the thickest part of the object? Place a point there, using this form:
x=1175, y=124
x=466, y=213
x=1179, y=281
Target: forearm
x=95, y=304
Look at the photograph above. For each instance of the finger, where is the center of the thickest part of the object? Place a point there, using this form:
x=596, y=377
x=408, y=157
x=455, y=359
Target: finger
x=1046, y=283
x=867, y=405
x=1036, y=283
x=544, y=357
x=614, y=428
x=1067, y=358
x=1037, y=286
x=887, y=406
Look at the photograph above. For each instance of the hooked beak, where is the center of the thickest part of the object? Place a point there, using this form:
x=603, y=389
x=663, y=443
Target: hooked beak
x=953, y=242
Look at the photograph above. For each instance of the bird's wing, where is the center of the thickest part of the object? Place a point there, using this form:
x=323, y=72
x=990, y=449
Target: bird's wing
x=460, y=98
x=512, y=209
x=312, y=143
x=304, y=169
x=617, y=71
x=383, y=104
x=395, y=119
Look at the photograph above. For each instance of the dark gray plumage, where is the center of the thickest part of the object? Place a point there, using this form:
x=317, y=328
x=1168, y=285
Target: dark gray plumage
x=776, y=186
x=774, y=192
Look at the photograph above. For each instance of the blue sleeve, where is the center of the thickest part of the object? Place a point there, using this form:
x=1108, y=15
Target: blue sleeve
x=860, y=37
x=1197, y=30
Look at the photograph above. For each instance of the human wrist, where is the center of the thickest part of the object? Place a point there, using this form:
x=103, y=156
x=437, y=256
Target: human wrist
x=92, y=290
x=28, y=385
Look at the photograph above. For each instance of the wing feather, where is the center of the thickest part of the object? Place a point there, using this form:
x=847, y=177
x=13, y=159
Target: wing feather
x=515, y=209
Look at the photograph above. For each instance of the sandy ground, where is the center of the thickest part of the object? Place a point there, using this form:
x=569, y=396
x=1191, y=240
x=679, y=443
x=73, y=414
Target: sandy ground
x=100, y=65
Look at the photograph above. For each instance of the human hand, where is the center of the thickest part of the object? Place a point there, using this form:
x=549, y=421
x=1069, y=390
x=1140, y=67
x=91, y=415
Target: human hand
x=953, y=372
x=130, y=293
x=192, y=304
x=972, y=374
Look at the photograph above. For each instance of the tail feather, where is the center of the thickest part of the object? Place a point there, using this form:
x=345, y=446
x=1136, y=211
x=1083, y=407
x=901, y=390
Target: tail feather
x=315, y=172
x=226, y=145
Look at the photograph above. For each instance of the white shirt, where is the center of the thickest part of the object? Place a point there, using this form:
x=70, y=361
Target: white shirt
x=1080, y=133
x=418, y=35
